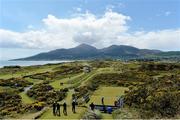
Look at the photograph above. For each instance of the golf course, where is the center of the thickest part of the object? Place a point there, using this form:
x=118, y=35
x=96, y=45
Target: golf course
x=34, y=89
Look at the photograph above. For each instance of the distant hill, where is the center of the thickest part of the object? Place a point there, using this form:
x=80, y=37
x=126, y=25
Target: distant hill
x=85, y=51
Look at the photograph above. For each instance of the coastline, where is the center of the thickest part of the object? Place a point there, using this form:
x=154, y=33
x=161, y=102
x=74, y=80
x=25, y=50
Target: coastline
x=29, y=63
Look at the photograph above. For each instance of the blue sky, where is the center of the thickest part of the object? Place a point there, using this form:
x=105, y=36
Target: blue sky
x=140, y=20
x=146, y=14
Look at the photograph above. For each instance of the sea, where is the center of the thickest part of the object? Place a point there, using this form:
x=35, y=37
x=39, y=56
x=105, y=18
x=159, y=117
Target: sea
x=27, y=63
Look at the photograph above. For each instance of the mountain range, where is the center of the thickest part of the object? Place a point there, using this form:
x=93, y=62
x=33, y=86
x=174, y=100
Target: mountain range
x=85, y=51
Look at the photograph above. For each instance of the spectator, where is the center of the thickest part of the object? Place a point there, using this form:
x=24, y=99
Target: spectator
x=54, y=108
x=102, y=100
x=58, y=109
x=92, y=106
x=74, y=106
x=65, y=108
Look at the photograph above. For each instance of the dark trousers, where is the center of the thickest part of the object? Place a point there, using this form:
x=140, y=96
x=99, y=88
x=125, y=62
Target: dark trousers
x=54, y=111
x=73, y=109
x=58, y=112
x=65, y=111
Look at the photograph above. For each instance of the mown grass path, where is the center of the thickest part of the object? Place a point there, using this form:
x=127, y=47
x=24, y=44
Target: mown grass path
x=25, y=98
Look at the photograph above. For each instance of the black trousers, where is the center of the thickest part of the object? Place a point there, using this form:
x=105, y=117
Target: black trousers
x=58, y=112
x=54, y=111
x=73, y=109
x=65, y=111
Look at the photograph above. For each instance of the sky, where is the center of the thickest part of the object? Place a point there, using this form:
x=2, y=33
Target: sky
x=28, y=27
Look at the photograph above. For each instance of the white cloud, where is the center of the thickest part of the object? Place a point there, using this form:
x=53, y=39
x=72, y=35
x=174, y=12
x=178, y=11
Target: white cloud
x=163, y=39
x=110, y=7
x=110, y=28
x=30, y=27
x=163, y=13
x=167, y=13
x=77, y=9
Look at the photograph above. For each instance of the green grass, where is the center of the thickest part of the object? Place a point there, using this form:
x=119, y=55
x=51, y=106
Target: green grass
x=85, y=78
x=110, y=94
x=96, y=72
x=34, y=81
x=79, y=110
x=56, y=83
x=3, y=88
x=26, y=99
x=27, y=71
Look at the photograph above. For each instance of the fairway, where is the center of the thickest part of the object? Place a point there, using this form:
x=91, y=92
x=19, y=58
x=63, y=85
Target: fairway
x=56, y=84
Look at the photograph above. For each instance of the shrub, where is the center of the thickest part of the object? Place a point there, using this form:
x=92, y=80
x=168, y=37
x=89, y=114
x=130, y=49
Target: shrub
x=15, y=82
x=39, y=105
x=156, y=96
x=11, y=102
x=45, y=93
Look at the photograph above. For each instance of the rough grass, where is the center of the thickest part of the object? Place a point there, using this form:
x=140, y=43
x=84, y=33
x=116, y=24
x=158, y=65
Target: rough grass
x=28, y=70
x=126, y=113
x=7, y=89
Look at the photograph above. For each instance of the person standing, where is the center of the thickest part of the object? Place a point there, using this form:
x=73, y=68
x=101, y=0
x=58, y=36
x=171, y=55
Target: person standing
x=54, y=108
x=73, y=106
x=102, y=100
x=121, y=102
x=65, y=108
x=58, y=109
x=92, y=106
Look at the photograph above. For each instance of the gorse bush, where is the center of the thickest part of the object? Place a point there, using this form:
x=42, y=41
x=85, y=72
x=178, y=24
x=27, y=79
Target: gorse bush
x=15, y=82
x=9, y=102
x=42, y=76
x=45, y=93
x=119, y=79
x=68, y=69
x=160, y=96
x=10, y=69
x=159, y=66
